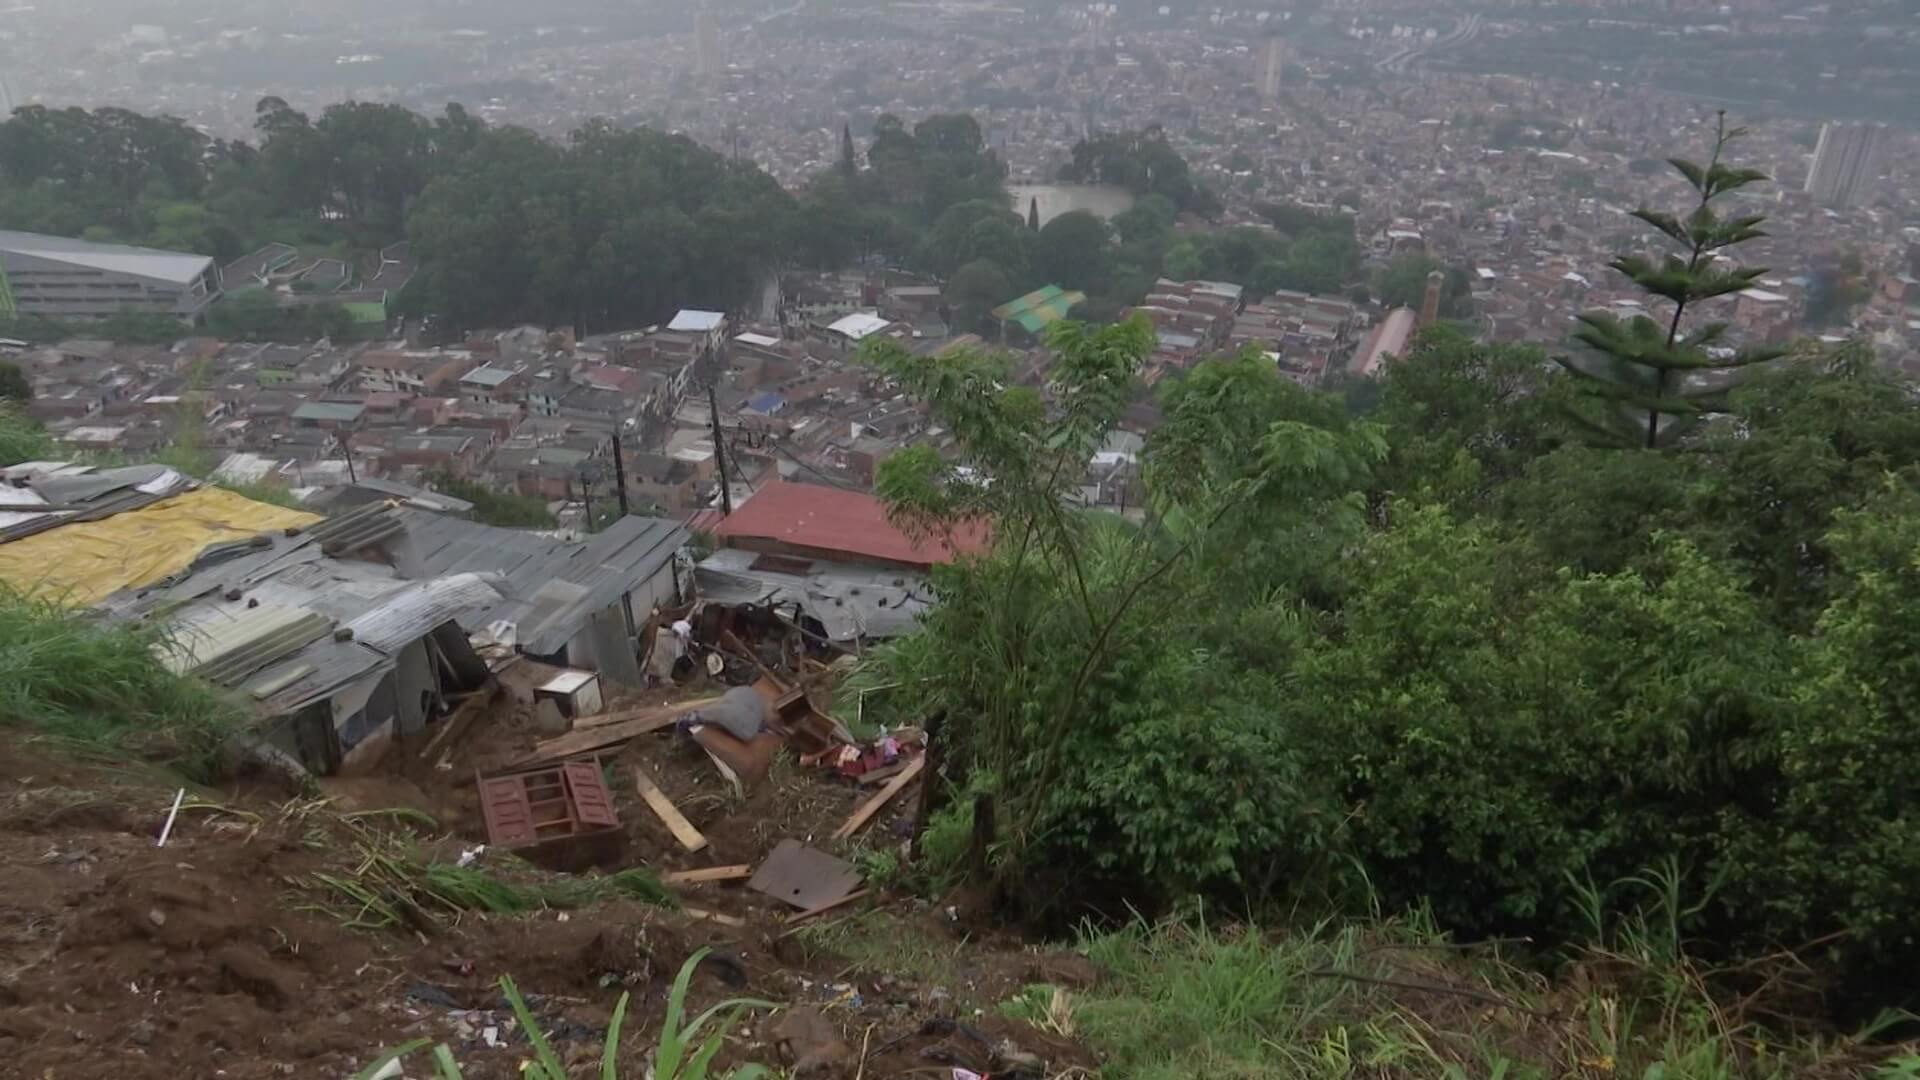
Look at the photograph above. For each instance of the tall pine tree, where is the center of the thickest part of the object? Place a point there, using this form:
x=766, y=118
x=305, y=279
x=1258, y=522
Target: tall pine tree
x=1648, y=382
x=1033, y=213
x=847, y=163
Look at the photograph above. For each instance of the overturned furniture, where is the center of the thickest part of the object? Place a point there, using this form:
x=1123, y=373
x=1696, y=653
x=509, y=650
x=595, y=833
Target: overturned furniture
x=560, y=817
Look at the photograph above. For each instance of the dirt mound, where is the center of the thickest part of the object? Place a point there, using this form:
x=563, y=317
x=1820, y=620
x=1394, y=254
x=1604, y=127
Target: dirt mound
x=208, y=957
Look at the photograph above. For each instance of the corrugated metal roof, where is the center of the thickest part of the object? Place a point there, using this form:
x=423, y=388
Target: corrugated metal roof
x=330, y=665
x=849, y=601
x=227, y=645
x=84, y=487
x=358, y=528
x=628, y=552
x=414, y=610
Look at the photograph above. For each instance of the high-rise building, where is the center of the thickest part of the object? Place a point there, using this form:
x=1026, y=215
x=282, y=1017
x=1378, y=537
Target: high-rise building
x=1273, y=57
x=707, y=62
x=1846, y=162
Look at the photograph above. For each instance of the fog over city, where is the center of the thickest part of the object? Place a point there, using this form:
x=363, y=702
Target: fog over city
x=946, y=539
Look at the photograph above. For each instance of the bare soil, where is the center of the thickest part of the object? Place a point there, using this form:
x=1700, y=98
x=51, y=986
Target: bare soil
x=205, y=959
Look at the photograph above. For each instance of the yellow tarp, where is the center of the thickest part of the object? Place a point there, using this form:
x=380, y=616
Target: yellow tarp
x=84, y=563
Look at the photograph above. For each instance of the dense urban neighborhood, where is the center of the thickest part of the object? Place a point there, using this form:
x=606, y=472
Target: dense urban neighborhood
x=1335, y=540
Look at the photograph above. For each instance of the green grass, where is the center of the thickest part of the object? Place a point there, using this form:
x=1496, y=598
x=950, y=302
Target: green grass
x=21, y=439
x=96, y=687
x=879, y=942
x=677, y=1055
x=1390, y=1000
x=385, y=885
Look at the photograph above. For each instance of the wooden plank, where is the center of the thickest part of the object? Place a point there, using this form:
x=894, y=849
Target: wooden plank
x=711, y=873
x=881, y=798
x=824, y=908
x=726, y=773
x=621, y=716
x=669, y=814
x=884, y=772
x=457, y=723
x=713, y=916
x=578, y=741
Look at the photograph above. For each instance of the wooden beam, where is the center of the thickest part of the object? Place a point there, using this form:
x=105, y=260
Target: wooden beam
x=711, y=873
x=824, y=908
x=883, y=773
x=669, y=814
x=584, y=740
x=621, y=716
x=714, y=916
x=881, y=798
x=457, y=722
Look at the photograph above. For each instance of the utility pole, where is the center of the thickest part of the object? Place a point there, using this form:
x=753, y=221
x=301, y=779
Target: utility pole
x=719, y=453
x=619, y=472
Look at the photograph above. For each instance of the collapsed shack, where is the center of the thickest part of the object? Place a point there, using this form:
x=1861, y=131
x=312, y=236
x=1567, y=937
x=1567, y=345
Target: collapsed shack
x=348, y=634
x=834, y=606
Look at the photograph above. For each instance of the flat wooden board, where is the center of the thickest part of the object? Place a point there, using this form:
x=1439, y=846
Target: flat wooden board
x=586, y=739
x=882, y=774
x=713, y=916
x=824, y=908
x=799, y=875
x=711, y=873
x=621, y=716
x=669, y=814
x=880, y=798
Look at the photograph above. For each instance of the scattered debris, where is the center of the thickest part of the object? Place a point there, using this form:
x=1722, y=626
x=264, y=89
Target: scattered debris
x=607, y=730
x=575, y=692
x=741, y=711
x=167, y=829
x=714, y=916
x=810, y=1041
x=880, y=799
x=710, y=874
x=669, y=814
x=824, y=908
x=726, y=772
x=806, y=878
x=554, y=807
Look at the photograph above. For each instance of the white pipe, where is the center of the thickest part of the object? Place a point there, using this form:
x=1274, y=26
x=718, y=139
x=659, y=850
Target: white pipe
x=167, y=829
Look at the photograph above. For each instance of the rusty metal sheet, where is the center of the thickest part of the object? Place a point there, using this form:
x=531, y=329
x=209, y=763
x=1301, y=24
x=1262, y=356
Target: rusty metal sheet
x=804, y=877
x=592, y=805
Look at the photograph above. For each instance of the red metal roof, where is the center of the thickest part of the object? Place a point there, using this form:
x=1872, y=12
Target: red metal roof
x=835, y=521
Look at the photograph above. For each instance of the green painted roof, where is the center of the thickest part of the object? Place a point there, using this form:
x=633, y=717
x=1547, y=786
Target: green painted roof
x=1039, y=308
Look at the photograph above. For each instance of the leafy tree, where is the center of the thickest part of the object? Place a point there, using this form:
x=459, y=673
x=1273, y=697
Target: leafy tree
x=976, y=289
x=1832, y=295
x=1464, y=418
x=503, y=508
x=1837, y=861
x=1075, y=251
x=1143, y=162
x=1051, y=648
x=1647, y=384
x=1403, y=283
x=950, y=242
x=1150, y=217
x=13, y=384
x=1543, y=700
x=1808, y=438
x=20, y=438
